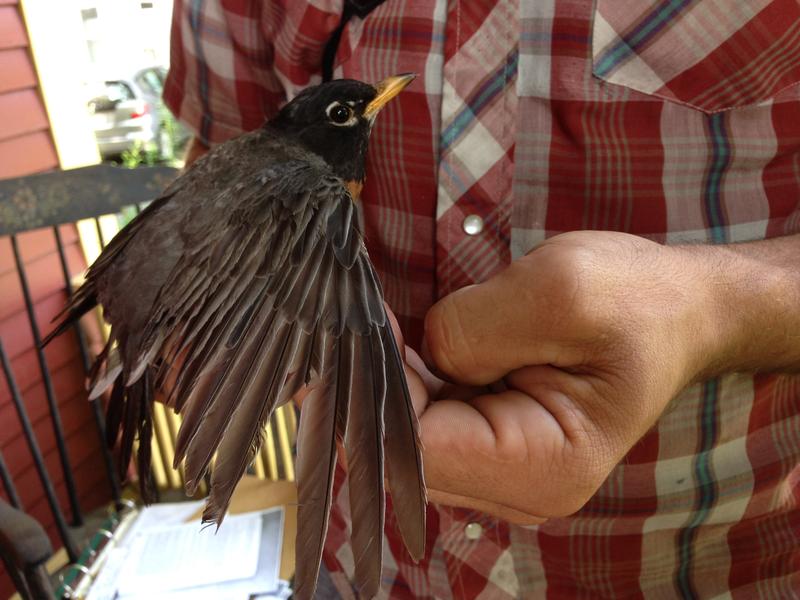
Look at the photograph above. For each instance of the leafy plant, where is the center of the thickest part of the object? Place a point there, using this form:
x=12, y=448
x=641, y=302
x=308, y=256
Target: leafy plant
x=140, y=154
x=170, y=145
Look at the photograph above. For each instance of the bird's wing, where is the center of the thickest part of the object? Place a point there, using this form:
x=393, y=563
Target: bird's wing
x=272, y=288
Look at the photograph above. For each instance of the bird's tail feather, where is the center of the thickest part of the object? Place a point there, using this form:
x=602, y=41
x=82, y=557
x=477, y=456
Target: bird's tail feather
x=130, y=417
x=81, y=302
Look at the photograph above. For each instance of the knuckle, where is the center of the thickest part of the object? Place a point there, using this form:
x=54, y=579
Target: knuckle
x=582, y=291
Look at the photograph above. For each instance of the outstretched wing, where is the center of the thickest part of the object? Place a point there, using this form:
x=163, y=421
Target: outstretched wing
x=272, y=288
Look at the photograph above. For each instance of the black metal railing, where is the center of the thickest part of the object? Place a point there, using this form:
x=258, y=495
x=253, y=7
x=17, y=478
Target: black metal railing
x=51, y=200
x=38, y=459
x=8, y=484
x=47, y=202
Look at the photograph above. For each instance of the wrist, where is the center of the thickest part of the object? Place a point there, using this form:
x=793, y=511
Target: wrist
x=748, y=314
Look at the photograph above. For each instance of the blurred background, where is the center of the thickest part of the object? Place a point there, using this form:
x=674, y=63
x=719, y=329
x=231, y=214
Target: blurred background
x=98, y=63
x=80, y=86
x=127, y=50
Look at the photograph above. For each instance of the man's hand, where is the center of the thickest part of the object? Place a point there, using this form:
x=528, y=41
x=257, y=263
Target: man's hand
x=593, y=333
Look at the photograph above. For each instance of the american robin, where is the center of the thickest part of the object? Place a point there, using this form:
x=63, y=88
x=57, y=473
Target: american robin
x=245, y=280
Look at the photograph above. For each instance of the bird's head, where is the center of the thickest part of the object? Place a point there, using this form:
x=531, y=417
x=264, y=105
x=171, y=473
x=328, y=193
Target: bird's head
x=334, y=120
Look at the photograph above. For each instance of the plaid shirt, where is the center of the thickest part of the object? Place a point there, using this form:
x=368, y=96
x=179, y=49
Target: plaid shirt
x=675, y=120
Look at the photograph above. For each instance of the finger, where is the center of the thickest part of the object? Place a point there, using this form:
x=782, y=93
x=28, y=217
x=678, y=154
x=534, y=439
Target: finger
x=576, y=402
x=303, y=393
x=398, y=335
x=430, y=362
x=506, y=449
x=432, y=383
x=498, y=510
x=468, y=339
x=489, y=448
x=418, y=390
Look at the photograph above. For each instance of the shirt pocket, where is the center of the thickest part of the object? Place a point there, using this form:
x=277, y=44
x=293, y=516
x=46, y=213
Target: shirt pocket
x=712, y=55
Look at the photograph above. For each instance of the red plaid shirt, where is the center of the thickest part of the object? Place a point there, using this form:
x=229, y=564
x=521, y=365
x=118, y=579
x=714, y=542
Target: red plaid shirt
x=675, y=120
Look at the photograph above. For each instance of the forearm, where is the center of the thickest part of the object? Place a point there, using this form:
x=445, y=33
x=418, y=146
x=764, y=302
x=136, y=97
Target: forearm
x=752, y=303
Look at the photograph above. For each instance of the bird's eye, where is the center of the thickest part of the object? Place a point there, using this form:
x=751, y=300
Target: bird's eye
x=339, y=114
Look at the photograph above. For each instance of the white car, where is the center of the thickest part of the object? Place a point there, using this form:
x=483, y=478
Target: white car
x=129, y=111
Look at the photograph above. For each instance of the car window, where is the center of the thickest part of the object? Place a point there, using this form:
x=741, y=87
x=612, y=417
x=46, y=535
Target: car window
x=118, y=91
x=151, y=82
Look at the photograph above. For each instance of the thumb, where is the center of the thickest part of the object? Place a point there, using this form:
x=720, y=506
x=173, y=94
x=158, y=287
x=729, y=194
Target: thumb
x=479, y=333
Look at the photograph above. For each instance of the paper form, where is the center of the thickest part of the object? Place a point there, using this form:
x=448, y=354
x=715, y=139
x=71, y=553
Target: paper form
x=182, y=556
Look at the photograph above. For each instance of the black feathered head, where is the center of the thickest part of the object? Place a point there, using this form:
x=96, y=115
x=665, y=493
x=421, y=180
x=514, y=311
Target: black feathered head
x=334, y=120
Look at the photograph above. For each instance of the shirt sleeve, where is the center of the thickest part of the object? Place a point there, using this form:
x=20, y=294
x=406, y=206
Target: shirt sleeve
x=233, y=63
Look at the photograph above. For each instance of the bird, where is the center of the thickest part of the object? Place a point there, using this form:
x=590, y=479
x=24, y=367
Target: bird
x=246, y=281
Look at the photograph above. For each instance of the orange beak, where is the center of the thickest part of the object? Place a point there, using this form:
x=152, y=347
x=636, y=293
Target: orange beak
x=387, y=89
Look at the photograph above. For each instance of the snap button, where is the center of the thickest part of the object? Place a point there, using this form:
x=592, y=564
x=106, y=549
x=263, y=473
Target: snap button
x=473, y=531
x=472, y=225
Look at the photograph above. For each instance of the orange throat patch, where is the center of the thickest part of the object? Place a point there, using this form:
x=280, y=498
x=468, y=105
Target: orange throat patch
x=354, y=187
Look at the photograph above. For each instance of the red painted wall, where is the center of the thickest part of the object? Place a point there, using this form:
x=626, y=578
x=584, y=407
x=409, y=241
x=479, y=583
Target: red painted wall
x=26, y=147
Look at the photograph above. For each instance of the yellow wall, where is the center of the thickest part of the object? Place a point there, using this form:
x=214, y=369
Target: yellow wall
x=59, y=50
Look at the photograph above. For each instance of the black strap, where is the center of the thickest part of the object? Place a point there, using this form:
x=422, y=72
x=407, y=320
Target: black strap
x=359, y=8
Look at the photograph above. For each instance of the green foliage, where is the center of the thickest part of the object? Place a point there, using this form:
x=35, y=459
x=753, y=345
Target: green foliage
x=125, y=216
x=140, y=154
x=165, y=151
x=172, y=141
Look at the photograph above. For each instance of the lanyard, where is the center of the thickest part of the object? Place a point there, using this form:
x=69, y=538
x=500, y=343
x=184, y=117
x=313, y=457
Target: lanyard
x=359, y=8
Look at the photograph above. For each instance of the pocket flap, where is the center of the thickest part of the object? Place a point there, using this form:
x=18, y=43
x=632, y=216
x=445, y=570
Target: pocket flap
x=709, y=54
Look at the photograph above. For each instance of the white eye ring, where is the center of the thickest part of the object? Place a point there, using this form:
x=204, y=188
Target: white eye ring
x=349, y=122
